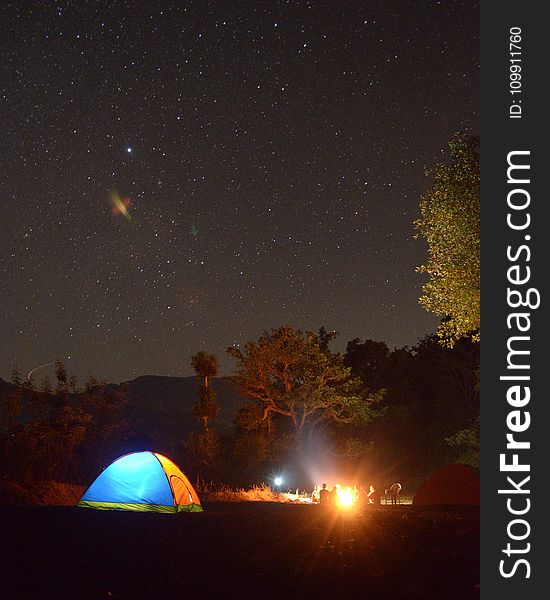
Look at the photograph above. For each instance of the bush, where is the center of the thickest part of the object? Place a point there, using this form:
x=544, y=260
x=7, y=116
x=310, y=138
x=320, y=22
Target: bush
x=14, y=494
x=58, y=493
x=39, y=493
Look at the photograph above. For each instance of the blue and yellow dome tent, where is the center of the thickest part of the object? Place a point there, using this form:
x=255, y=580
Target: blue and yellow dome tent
x=142, y=481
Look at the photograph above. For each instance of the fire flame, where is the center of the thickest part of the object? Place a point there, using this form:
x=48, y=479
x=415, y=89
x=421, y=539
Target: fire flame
x=346, y=497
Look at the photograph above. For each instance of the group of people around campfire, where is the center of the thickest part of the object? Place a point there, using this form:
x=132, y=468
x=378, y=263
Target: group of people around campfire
x=357, y=495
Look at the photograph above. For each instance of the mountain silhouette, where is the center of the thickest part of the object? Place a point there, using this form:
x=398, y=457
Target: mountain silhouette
x=159, y=411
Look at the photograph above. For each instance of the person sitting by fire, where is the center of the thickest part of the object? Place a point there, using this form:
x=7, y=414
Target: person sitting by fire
x=324, y=495
x=373, y=495
x=315, y=495
x=334, y=492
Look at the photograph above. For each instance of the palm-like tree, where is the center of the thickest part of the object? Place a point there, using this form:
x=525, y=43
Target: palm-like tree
x=206, y=407
x=206, y=366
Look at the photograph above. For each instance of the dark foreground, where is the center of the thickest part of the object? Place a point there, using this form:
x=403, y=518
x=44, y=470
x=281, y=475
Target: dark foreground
x=248, y=550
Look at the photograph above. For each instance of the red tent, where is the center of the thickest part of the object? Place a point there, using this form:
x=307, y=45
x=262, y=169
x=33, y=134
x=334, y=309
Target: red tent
x=453, y=484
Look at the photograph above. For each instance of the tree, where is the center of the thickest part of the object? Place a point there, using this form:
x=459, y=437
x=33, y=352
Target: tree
x=454, y=374
x=10, y=415
x=91, y=384
x=16, y=375
x=290, y=373
x=106, y=428
x=52, y=435
x=62, y=377
x=46, y=385
x=73, y=384
x=253, y=445
x=368, y=360
x=28, y=384
x=450, y=225
x=206, y=407
x=206, y=366
x=202, y=448
x=325, y=337
x=468, y=441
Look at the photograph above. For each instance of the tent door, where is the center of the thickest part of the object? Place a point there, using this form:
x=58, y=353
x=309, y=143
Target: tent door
x=181, y=493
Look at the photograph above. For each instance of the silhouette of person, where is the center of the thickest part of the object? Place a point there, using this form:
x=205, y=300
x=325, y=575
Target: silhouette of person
x=334, y=494
x=315, y=494
x=373, y=495
x=324, y=495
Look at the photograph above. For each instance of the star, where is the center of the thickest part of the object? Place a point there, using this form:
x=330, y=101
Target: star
x=257, y=181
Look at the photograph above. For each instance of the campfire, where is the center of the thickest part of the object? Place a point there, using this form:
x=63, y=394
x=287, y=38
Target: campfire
x=343, y=497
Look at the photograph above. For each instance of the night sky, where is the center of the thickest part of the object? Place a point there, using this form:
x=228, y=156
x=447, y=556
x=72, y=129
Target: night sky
x=180, y=176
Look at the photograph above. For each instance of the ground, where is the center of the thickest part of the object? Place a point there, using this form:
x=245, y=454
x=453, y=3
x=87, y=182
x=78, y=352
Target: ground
x=240, y=550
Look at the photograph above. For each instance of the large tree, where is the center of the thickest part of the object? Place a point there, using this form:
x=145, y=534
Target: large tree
x=450, y=225
x=291, y=373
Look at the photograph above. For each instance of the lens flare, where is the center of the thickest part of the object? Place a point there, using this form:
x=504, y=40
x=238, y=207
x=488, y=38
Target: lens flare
x=120, y=205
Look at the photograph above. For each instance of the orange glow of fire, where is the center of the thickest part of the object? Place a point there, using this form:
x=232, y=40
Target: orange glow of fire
x=346, y=497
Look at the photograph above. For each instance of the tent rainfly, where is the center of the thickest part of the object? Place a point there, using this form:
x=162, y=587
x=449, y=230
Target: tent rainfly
x=142, y=481
x=456, y=484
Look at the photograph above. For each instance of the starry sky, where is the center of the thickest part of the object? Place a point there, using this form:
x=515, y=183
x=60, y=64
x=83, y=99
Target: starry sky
x=180, y=176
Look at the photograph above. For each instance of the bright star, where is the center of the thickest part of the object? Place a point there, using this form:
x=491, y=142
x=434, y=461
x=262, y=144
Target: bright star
x=129, y=150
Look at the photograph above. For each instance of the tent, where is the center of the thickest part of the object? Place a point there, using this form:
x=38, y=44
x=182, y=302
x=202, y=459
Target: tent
x=142, y=481
x=452, y=484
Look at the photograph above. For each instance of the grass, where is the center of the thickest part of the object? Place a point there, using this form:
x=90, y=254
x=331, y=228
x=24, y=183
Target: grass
x=55, y=493
x=225, y=493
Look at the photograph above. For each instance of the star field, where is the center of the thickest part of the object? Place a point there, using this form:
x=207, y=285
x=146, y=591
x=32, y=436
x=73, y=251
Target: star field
x=269, y=157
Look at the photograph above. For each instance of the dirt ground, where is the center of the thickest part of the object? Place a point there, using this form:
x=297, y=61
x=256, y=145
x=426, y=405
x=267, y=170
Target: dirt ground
x=242, y=550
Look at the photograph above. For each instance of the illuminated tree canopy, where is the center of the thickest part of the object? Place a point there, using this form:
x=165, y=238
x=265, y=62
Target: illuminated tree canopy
x=290, y=373
x=450, y=224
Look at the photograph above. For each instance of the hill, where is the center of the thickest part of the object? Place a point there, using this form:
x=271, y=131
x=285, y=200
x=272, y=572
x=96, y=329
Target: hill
x=159, y=409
